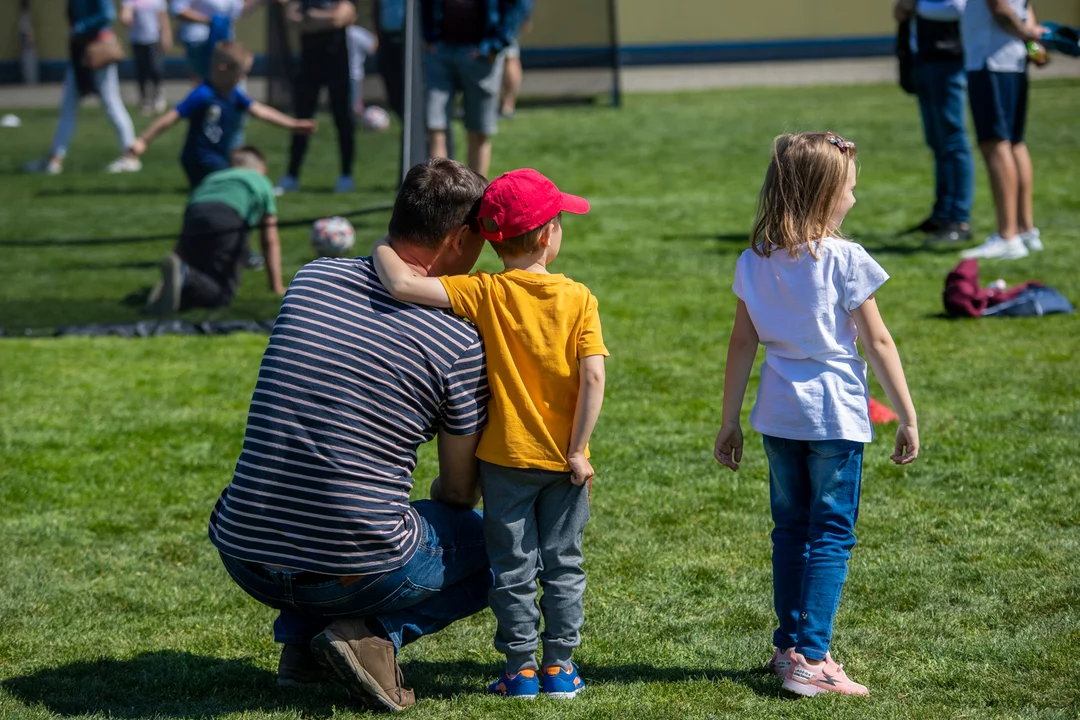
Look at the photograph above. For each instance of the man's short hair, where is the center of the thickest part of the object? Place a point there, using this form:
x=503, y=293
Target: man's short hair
x=249, y=157
x=437, y=197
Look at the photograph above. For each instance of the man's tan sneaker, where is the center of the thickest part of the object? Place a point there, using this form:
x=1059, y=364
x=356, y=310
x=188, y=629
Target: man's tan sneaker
x=297, y=667
x=363, y=663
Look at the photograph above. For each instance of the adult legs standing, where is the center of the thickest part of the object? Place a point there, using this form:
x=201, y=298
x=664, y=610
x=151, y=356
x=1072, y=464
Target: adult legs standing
x=339, y=85
x=69, y=115
x=309, y=82
x=480, y=81
x=941, y=87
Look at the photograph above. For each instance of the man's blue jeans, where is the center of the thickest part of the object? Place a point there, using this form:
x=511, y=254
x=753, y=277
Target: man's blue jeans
x=941, y=87
x=446, y=579
x=814, y=490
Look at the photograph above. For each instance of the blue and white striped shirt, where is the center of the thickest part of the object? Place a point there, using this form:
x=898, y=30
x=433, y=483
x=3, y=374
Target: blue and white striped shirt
x=350, y=384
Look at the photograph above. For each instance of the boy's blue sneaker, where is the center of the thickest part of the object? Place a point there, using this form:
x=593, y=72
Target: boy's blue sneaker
x=524, y=685
x=562, y=684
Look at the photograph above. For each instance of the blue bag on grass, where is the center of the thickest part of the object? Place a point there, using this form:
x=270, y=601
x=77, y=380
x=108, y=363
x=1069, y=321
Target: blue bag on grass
x=1033, y=302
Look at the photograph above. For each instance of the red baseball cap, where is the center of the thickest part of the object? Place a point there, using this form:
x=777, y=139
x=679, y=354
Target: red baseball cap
x=523, y=200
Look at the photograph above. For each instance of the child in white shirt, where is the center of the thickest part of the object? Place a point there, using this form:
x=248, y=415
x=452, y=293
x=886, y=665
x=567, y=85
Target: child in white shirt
x=150, y=35
x=806, y=294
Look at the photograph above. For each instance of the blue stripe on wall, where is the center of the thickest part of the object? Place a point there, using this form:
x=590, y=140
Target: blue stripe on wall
x=586, y=57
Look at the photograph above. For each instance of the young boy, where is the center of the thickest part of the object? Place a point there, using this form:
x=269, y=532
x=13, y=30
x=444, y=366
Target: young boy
x=545, y=361
x=215, y=113
x=204, y=268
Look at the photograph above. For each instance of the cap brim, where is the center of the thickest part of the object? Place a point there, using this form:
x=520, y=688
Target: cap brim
x=574, y=204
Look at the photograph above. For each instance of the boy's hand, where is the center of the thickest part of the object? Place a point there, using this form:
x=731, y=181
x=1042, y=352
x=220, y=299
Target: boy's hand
x=728, y=448
x=304, y=127
x=581, y=470
x=138, y=147
x=907, y=445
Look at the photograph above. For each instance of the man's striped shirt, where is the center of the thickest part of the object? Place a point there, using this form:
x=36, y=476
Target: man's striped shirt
x=350, y=384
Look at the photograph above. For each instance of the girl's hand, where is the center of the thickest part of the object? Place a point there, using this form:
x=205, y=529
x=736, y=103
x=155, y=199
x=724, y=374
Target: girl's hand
x=728, y=448
x=581, y=470
x=907, y=445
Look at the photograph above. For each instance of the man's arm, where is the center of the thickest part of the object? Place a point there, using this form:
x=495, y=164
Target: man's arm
x=589, y=401
x=159, y=126
x=182, y=10
x=274, y=117
x=511, y=14
x=458, y=482
x=1011, y=22
x=402, y=282
x=271, y=247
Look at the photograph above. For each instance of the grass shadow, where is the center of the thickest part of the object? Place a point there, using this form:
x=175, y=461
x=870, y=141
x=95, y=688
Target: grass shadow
x=447, y=679
x=166, y=683
x=111, y=191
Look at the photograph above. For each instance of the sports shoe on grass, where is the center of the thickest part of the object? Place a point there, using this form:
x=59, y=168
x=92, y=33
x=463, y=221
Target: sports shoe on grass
x=810, y=680
x=781, y=661
x=297, y=667
x=562, y=684
x=286, y=184
x=950, y=234
x=164, y=299
x=363, y=663
x=998, y=248
x=44, y=166
x=344, y=184
x=1032, y=239
x=524, y=685
x=124, y=164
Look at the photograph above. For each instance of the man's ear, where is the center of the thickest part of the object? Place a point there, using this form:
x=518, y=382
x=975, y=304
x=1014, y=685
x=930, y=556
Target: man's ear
x=456, y=241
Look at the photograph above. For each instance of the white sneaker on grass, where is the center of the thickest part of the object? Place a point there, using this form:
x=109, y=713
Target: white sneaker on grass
x=1032, y=239
x=44, y=166
x=286, y=184
x=344, y=184
x=124, y=164
x=998, y=248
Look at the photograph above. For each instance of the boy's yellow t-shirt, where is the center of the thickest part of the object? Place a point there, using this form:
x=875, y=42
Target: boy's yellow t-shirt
x=535, y=328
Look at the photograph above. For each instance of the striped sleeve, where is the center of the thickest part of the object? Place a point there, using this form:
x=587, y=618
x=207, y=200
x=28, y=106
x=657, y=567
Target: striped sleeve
x=467, y=394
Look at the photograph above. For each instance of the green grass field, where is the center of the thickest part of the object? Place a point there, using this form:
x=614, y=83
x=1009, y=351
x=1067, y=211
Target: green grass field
x=962, y=600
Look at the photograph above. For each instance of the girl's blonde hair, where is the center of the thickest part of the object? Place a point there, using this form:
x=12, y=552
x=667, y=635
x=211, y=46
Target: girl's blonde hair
x=807, y=173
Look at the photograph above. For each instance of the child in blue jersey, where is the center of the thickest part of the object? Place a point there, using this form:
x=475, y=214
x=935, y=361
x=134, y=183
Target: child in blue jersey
x=215, y=112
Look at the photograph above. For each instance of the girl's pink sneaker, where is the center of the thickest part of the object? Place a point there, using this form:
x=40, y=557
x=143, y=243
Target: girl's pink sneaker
x=781, y=662
x=809, y=680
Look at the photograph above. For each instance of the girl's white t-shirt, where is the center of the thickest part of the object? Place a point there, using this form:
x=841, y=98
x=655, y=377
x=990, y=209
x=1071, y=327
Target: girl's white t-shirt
x=813, y=381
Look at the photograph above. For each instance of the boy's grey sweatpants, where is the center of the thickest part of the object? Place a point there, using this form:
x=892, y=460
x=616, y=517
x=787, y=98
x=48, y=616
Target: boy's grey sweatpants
x=534, y=521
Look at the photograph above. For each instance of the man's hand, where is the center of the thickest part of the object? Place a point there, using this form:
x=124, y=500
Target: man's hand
x=728, y=447
x=581, y=470
x=907, y=445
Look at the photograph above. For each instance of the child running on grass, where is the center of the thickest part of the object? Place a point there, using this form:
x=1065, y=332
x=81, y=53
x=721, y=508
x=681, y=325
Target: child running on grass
x=215, y=113
x=806, y=294
x=545, y=361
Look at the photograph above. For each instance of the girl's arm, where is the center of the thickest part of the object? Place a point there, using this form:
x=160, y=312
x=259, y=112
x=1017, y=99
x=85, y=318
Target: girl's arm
x=159, y=126
x=742, y=349
x=885, y=360
x=589, y=400
x=405, y=285
x=274, y=117
x=166, y=32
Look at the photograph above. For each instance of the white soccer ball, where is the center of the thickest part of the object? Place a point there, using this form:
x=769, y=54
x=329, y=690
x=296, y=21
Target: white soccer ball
x=332, y=236
x=375, y=118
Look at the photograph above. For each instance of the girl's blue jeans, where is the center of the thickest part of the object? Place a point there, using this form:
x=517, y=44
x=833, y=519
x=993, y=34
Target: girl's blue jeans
x=814, y=491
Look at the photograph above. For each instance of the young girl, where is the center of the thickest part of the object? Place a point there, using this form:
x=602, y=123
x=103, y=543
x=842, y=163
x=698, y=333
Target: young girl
x=806, y=293
x=150, y=35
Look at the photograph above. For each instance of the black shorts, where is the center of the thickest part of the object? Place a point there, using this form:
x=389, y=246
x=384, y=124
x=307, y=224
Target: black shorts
x=998, y=104
x=214, y=244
